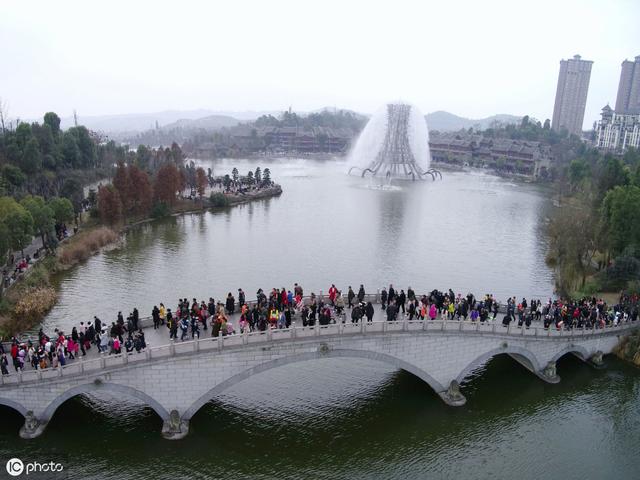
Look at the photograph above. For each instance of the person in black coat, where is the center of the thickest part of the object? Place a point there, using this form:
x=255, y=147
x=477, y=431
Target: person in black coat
x=135, y=318
x=392, y=294
x=350, y=297
x=392, y=312
x=231, y=303
x=356, y=314
x=155, y=313
x=402, y=299
x=368, y=311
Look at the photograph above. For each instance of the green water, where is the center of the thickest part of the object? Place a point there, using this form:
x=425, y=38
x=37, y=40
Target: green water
x=358, y=419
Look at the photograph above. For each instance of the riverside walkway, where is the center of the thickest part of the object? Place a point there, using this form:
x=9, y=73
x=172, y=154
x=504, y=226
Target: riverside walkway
x=177, y=378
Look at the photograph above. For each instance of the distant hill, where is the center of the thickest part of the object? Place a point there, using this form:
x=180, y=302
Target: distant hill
x=446, y=122
x=127, y=125
x=211, y=122
x=140, y=122
x=132, y=121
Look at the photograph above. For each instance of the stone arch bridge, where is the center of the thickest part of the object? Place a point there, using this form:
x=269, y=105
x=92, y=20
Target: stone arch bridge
x=177, y=379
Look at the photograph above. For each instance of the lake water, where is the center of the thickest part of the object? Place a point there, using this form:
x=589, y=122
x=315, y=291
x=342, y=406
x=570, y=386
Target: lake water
x=335, y=418
x=469, y=232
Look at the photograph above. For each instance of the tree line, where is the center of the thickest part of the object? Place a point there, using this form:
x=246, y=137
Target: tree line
x=595, y=234
x=137, y=193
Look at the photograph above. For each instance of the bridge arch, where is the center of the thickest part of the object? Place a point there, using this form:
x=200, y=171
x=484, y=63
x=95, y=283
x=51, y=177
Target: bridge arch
x=331, y=353
x=578, y=350
x=521, y=354
x=18, y=407
x=113, y=388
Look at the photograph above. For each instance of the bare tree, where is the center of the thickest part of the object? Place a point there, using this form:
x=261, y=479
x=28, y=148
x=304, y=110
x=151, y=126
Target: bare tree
x=4, y=112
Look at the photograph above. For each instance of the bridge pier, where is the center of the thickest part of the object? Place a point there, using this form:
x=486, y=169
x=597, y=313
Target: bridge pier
x=175, y=427
x=33, y=426
x=453, y=397
x=596, y=360
x=549, y=373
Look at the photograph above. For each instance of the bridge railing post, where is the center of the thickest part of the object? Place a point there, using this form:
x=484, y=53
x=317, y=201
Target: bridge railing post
x=125, y=357
x=405, y=324
x=294, y=331
x=172, y=347
x=269, y=334
x=59, y=371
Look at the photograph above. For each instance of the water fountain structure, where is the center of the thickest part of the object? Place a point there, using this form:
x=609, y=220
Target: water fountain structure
x=394, y=145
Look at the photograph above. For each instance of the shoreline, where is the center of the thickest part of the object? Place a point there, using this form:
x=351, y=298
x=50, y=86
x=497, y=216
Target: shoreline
x=197, y=207
x=50, y=265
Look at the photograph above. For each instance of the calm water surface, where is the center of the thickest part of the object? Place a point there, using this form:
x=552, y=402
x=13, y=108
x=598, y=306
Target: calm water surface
x=470, y=232
x=336, y=418
x=343, y=420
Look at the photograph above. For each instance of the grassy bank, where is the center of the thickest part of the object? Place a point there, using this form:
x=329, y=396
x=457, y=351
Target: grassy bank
x=84, y=245
x=26, y=303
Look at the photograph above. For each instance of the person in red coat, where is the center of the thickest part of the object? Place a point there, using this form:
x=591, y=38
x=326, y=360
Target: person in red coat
x=333, y=291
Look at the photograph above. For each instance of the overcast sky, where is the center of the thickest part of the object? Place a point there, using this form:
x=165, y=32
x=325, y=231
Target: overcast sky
x=472, y=58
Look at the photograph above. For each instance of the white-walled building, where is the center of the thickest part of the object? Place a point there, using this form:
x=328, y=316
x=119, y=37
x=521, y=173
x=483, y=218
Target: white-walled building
x=618, y=131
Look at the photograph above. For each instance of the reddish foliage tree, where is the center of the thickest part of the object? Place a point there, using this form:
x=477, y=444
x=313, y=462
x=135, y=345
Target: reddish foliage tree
x=109, y=204
x=123, y=184
x=141, y=194
x=201, y=181
x=167, y=184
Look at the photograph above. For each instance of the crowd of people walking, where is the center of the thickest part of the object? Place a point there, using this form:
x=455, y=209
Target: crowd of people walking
x=280, y=307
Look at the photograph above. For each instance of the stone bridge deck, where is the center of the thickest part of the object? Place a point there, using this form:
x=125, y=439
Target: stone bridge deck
x=177, y=378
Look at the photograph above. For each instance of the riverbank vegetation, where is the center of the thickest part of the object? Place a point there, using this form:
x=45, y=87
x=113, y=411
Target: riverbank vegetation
x=29, y=300
x=595, y=231
x=84, y=245
x=629, y=348
x=136, y=195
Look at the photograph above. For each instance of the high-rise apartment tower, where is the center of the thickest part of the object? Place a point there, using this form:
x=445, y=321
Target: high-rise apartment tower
x=571, y=94
x=628, y=99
